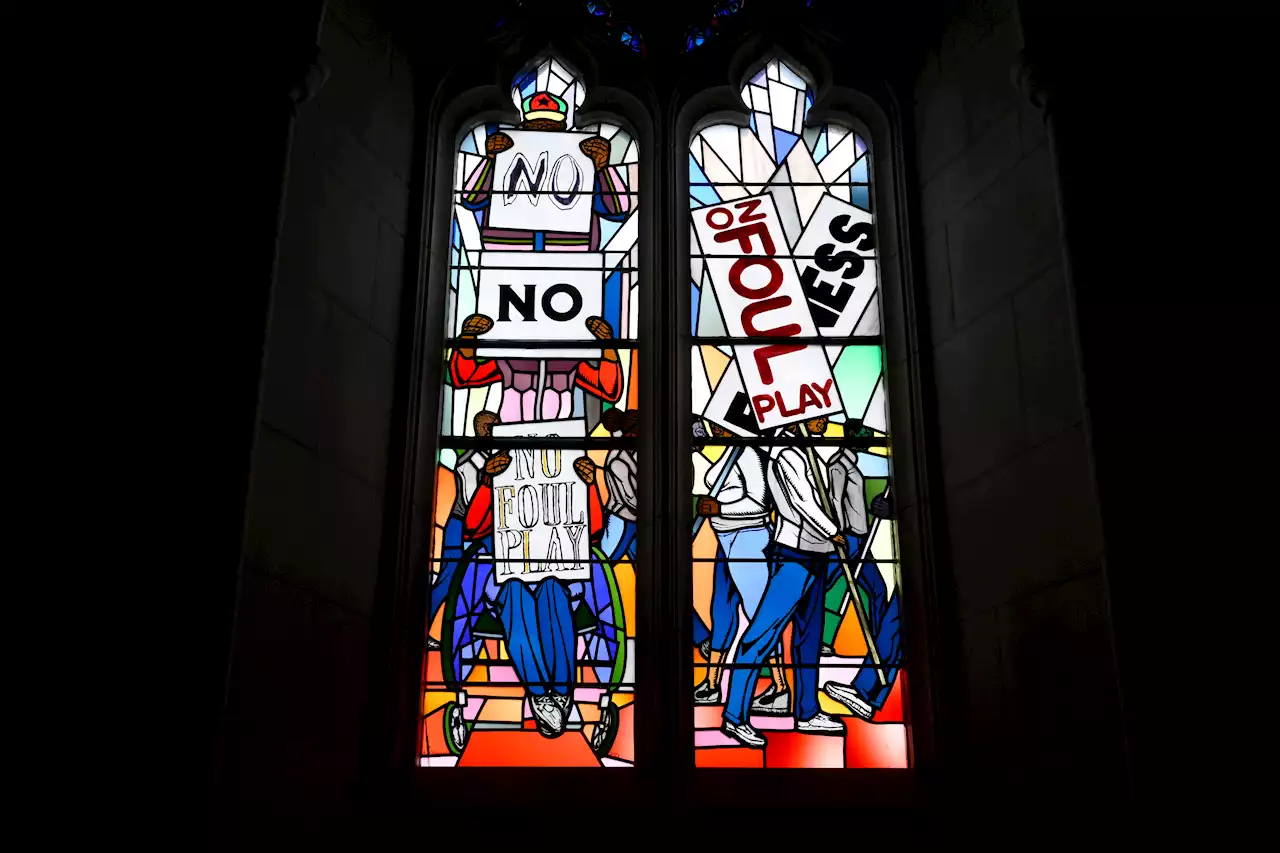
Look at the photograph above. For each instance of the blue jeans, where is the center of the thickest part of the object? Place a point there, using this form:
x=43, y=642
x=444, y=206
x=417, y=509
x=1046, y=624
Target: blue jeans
x=735, y=583
x=619, y=538
x=791, y=575
x=701, y=633
x=882, y=613
x=538, y=621
x=450, y=555
x=806, y=634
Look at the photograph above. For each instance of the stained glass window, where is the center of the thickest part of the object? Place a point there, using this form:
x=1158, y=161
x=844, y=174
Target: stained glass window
x=530, y=653
x=795, y=561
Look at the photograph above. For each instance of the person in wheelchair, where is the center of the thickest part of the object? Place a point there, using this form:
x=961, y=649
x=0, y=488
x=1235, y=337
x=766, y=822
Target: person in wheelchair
x=539, y=621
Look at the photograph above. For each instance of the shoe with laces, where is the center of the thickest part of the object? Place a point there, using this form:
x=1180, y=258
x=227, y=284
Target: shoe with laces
x=706, y=694
x=548, y=715
x=847, y=696
x=744, y=734
x=771, y=703
x=821, y=724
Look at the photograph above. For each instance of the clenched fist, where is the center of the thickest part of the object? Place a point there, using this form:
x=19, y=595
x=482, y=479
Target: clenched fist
x=600, y=327
x=585, y=469
x=498, y=143
x=597, y=149
x=476, y=324
x=497, y=463
x=708, y=506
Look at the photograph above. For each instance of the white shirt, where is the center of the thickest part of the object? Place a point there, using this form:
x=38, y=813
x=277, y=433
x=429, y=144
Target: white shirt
x=801, y=522
x=469, y=469
x=742, y=497
x=620, y=477
x=848, y=494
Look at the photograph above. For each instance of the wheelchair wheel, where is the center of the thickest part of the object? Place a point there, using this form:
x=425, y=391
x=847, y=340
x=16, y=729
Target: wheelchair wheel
x=606, y=644
x=606, y=730
x=456, y=729
x=459, y=646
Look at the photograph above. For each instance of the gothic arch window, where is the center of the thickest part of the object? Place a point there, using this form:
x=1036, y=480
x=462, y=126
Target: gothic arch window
x=572, y=620
x=791, y=469
x=530, y=653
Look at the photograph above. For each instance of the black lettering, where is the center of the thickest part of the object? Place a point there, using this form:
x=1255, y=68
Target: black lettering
x=507, y=297
x=827, y=299
x=852, y=263
x=739, y=414
x=854, y=233
x=518, y=173
x=569, y=198
x=550, y=310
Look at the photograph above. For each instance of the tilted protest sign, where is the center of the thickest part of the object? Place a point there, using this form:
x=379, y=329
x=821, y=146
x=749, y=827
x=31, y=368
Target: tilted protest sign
x=729, y=405
x=540, y=296
x=543, y=182
x=760, y=295
x=836, y=257
x=541, y=519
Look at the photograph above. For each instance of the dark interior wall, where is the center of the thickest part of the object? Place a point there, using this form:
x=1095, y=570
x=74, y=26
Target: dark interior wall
x=1038, y=700
x=299, y=670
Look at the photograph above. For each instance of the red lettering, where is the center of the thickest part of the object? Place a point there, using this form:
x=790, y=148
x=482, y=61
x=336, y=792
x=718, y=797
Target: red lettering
x=763, y=404
x=825, y=390
x=807, y=397
x=783, y=406
x=772, y=351
x=748, y=207
x=749, y=316
x=741, y=265
x=743, y=235
x=728, y=218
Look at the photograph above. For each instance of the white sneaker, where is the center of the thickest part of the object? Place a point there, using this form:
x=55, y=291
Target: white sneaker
x=744, y=734
x=546, y=710
x=821, y=724
x=847, y=696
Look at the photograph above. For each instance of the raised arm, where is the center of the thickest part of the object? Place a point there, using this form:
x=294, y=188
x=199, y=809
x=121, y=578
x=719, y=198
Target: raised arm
x=478, y=187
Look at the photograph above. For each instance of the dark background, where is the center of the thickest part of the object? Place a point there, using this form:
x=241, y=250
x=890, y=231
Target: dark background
x=1049, y=367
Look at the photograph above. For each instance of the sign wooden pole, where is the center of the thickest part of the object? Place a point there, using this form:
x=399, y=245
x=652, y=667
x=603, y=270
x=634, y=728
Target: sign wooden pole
x=861, y=611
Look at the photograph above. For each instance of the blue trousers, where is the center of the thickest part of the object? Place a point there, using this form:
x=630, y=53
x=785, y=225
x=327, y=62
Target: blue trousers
x=806, y=633
x=882, y=612
x=450, y=556
x=735, y=584
x=791, y=575
x=538, y=621
x=701, y=633
x=619, y=538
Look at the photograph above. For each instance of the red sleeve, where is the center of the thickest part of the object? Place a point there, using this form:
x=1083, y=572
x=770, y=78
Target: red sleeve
x=479, y=520
x=596, y=513
x=471, y=372
x=604, y=381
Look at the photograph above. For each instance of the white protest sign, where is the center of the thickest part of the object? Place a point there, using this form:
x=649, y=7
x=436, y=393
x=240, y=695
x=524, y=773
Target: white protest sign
x=760, y=295
x=540, y=296
x=729, y=405
x=835, y=255
x=540, y=515
x=543, y=182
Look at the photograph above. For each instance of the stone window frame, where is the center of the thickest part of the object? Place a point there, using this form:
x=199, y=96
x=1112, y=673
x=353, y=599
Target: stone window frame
x=706, y=91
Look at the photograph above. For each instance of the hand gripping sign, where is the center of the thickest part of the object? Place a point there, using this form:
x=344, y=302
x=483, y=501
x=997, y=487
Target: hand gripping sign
x=540, y=512
x=759, y=291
